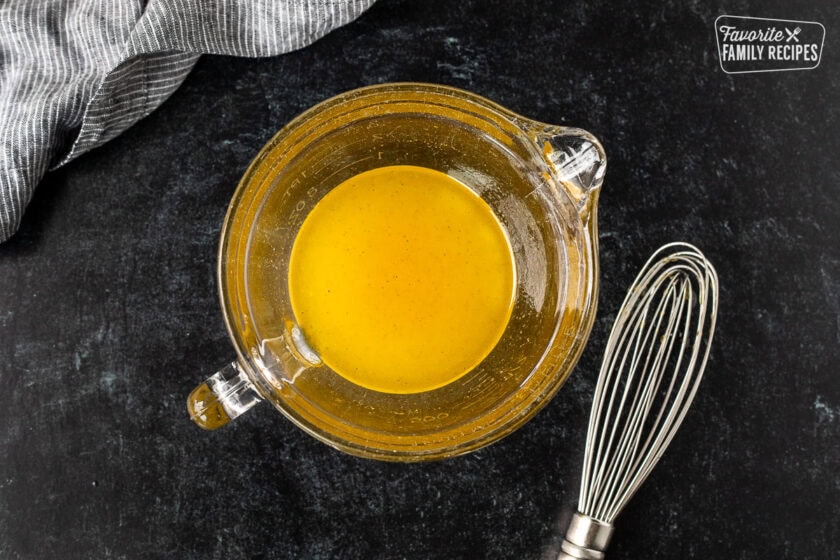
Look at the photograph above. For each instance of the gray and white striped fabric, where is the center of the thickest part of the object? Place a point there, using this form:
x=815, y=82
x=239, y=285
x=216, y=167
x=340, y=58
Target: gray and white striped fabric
x=76, y=73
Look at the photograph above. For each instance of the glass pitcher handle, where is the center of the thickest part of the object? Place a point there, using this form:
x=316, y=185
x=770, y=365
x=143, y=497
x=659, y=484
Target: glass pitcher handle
x=225, y=395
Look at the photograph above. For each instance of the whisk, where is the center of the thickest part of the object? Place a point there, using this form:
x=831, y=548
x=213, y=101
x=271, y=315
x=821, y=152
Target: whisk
x=652, y=366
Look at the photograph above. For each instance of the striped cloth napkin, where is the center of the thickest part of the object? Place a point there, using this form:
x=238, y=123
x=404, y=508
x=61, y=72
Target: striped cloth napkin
x=76, y=73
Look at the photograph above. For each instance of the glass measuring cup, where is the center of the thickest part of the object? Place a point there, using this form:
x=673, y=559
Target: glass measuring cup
x=541, y=181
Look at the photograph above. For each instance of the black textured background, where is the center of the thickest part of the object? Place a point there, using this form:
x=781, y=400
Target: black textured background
x=109, y=315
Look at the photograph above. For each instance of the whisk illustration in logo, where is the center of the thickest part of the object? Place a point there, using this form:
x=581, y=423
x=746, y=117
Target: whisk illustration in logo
x=749, y=44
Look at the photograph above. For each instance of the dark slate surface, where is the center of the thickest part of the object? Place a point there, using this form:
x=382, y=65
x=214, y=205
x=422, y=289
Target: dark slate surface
x=109, y=317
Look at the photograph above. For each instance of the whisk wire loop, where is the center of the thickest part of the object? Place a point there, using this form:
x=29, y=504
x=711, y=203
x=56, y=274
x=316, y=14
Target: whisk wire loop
x=658, y=356
x=647, y=356
x=652, y=367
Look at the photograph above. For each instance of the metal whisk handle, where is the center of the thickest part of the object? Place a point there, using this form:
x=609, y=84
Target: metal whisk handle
x=586, y=539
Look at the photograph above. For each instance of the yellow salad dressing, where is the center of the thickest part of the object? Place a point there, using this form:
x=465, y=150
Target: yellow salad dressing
x=402, y=279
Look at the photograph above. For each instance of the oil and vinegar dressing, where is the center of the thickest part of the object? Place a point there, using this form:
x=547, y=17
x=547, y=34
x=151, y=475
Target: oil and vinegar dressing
x=402, y=279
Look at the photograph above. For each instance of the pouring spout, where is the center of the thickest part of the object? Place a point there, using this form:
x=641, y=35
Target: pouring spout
x=577, y=161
